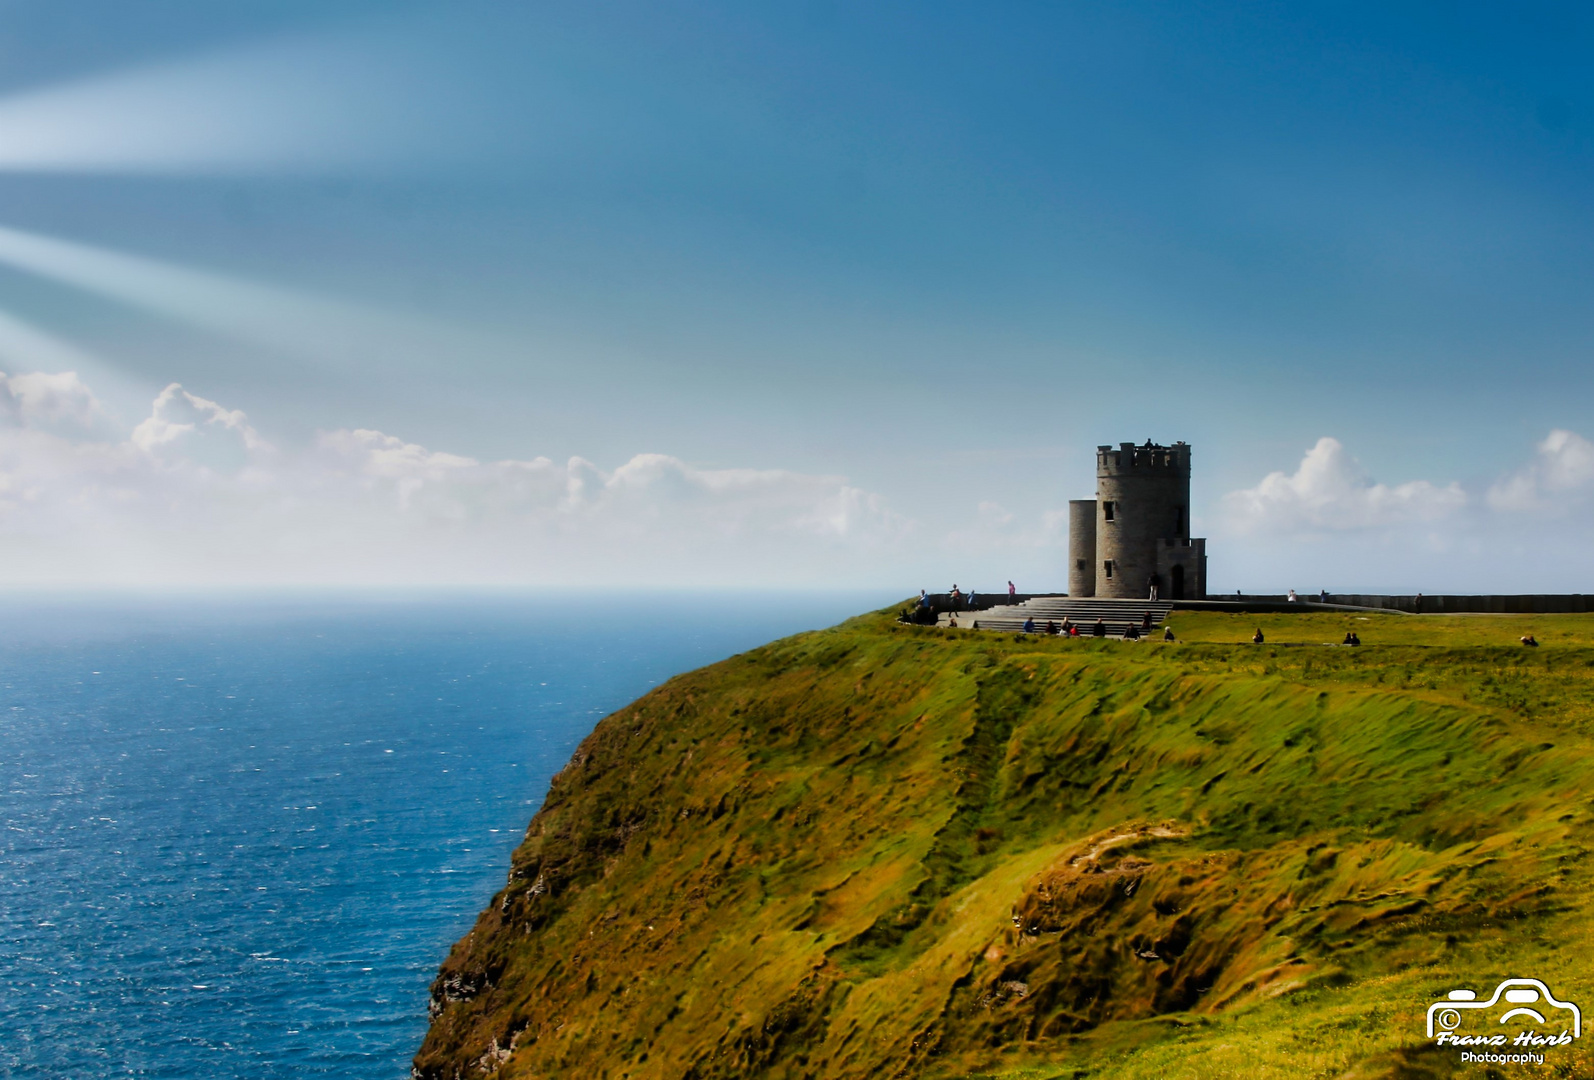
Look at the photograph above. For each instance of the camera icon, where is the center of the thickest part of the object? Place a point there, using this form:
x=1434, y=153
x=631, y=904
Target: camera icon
x=1517, y=999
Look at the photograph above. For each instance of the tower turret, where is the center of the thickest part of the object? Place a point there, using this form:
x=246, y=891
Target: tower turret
x=1082, y=547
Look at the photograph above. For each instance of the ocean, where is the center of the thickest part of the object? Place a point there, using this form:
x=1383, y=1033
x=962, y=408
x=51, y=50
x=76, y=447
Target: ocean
x=241, y=832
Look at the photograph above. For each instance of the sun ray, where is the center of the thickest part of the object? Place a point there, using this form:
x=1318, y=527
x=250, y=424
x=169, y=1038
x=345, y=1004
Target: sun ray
x=366, y=98
x=305, y=326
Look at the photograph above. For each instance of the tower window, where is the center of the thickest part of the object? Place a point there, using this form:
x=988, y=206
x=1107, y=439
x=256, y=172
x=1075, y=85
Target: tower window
x=1106, y=510
x=1107, y=566
x=1178, y=525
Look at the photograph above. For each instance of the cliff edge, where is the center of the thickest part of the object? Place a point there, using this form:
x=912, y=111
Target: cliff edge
x=892, y=851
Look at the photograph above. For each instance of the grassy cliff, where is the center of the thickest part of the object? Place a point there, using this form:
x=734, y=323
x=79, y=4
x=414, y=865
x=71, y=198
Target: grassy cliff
x=881, y=851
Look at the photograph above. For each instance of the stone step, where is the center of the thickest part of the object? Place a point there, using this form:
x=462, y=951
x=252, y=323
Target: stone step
x=1084, y=611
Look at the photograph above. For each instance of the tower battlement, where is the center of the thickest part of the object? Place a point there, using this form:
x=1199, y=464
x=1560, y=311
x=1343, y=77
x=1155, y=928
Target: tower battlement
x=1112, y=460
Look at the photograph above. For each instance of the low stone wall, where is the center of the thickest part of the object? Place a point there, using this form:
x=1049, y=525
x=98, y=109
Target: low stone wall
x=983, y=601
x=1500, y=604
x=1525, y=603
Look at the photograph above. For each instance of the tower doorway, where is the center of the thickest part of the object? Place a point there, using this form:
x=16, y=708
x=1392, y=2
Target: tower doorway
x=1177, y=582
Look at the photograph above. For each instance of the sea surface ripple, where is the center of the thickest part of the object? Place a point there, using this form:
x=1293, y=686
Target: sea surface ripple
x=240, y=834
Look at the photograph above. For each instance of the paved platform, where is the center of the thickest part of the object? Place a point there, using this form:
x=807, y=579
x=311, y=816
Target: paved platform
x=1119, y=615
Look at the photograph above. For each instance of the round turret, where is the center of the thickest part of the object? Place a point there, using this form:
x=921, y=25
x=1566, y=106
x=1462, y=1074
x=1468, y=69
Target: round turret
x=1082, y=547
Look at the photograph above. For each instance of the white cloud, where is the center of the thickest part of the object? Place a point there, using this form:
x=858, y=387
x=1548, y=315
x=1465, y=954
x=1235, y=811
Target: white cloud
x=195, y=493
x=1329, y=525
x=184, y=426
x=1561, y=476
x=49, y=402
x=1329, y=491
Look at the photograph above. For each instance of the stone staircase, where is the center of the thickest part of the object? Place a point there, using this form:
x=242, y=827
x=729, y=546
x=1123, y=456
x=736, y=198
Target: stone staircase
x=1117, y=614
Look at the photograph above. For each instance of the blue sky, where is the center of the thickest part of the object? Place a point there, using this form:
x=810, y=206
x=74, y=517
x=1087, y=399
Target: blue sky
x=927, y=254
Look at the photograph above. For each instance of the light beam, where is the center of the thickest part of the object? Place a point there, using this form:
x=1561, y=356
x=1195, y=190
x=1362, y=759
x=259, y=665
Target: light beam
x=313, y=105
x=305, y=326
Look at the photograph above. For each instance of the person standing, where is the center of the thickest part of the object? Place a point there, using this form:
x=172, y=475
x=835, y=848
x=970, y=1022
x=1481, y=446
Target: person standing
x=1012, y=592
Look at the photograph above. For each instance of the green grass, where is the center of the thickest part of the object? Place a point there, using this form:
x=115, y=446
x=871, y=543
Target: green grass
x=882, y=850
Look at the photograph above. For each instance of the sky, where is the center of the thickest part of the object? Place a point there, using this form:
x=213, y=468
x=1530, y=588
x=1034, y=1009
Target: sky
x=816, y=294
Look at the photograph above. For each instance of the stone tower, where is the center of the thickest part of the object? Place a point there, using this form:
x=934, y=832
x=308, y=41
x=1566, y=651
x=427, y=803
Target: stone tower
x=1137, y=529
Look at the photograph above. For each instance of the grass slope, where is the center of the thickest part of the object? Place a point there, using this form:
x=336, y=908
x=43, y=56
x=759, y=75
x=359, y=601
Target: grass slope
x=883, y=851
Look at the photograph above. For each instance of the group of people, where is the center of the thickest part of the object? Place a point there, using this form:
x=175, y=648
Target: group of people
x=1069, y=628
x=966, y=601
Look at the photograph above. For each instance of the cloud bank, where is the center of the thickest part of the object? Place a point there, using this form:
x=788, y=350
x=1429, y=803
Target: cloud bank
x=194, y=494
x=1329, y=524
x=1560, y=480
x=1330, y=491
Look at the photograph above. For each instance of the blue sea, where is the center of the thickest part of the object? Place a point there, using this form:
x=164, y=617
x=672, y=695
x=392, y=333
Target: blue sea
x=241, y=833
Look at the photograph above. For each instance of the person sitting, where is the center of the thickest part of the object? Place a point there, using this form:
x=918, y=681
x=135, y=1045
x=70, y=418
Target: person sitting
x=1029, y=625
x=1073, y=631
x=1131, y=632
x=1167, y=633
x=1256, y=638
x=1292, y=598
x=1355, y=638
x=1350, y=638
x=1145, y=621
x=1099, y=630
x=1528, y=639
x=1051, y=628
